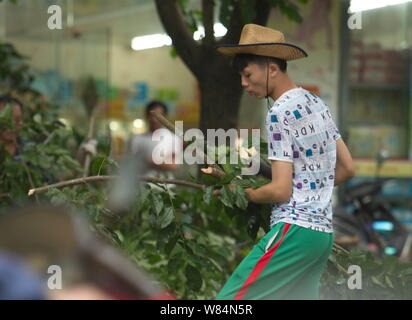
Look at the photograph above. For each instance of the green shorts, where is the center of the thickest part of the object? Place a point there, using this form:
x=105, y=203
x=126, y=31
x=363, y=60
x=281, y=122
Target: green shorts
x=286, y=264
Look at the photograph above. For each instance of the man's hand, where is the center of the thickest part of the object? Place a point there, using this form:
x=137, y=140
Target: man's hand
x=249, y=192
x=217, y=192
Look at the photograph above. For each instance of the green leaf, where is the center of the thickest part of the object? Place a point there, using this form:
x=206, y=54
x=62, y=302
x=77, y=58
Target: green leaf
x=241, y=198
x=227, y=197
x=173, y=265
x=193, y=277
x=171, y=245
x=97, y=165
x=226, y=179
x=227, y=168
x=6, y=117
x=389, y=282
x=155, y=258
x=166, y=218
x=119, y=235
x=407, y=272
x=157, y=203
x=375, y=280
x=207, y=195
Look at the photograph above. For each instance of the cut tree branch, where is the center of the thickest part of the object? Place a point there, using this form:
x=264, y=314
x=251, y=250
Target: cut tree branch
x=73, y=182
x=166, y=123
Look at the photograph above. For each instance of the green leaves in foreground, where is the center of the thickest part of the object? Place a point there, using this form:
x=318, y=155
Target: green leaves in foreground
x=386, y=279
x=194, y=278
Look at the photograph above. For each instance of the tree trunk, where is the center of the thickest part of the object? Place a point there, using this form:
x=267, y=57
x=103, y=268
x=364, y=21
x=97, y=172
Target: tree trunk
x=220, y=97
x=219, y=82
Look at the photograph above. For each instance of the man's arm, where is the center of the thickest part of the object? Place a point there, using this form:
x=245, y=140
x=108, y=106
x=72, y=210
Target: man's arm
x=279, y=189
x=345, y=168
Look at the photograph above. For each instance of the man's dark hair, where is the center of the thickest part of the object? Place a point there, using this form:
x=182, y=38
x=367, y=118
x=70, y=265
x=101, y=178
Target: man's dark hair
x=153, y=104
x=5, y=99
x=241, y=61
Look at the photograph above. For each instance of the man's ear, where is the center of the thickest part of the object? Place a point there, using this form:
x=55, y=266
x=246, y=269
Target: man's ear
x=274, y=70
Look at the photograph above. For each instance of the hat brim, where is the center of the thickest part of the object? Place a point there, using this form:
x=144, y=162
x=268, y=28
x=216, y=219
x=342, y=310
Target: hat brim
x=284, y=51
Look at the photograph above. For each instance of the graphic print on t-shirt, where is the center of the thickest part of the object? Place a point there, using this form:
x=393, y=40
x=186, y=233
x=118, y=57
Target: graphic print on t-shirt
x=301, y=131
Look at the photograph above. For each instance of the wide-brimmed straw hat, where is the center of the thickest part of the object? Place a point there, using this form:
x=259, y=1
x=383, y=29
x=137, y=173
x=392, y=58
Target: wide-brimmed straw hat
x=263, y=41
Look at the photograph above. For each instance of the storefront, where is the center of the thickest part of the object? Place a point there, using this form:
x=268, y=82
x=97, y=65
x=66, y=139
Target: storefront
x=376, y=97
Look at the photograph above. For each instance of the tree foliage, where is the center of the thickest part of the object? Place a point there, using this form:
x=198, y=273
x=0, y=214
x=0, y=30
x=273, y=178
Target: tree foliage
x=188, y=239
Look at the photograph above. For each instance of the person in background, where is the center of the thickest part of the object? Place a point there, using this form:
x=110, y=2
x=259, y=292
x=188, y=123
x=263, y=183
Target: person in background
x=9, y=132
x=147, y=145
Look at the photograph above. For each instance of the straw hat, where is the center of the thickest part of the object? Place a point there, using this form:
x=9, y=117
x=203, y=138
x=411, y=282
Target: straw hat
x=263, y=41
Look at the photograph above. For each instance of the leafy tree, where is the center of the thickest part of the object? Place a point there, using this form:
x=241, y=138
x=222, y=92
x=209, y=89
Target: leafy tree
x=219, y=83
x=45, y=150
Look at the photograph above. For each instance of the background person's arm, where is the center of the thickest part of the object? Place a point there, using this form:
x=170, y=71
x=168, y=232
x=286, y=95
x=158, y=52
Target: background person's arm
x=345, y=168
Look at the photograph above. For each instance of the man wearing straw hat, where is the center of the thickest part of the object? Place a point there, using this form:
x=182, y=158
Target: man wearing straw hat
x=308, y=157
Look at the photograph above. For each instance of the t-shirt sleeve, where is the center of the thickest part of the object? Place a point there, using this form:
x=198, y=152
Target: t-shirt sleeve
x=332, y=128
x=279, y=138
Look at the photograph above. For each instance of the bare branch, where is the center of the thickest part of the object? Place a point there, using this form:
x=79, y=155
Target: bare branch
x=212, y=171
x=73, y=182
x=166, y=123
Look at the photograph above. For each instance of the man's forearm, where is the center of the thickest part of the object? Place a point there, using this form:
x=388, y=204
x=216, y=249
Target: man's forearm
x=341, y=175
x=268, y=193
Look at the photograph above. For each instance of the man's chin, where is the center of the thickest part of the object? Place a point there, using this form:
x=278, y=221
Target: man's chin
x=255, y=95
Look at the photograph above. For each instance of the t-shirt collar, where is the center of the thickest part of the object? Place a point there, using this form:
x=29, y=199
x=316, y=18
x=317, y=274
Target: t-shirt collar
x=290, y=92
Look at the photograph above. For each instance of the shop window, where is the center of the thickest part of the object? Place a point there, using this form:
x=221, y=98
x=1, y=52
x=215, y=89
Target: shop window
x=378, y=111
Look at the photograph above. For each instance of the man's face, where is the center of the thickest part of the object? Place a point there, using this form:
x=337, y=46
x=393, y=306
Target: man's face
x=8, y=135
x=254, y=78
x=154, y=124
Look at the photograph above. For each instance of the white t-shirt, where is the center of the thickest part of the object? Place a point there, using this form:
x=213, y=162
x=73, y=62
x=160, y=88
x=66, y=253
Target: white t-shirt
x=301, y=131
x=145, y=146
